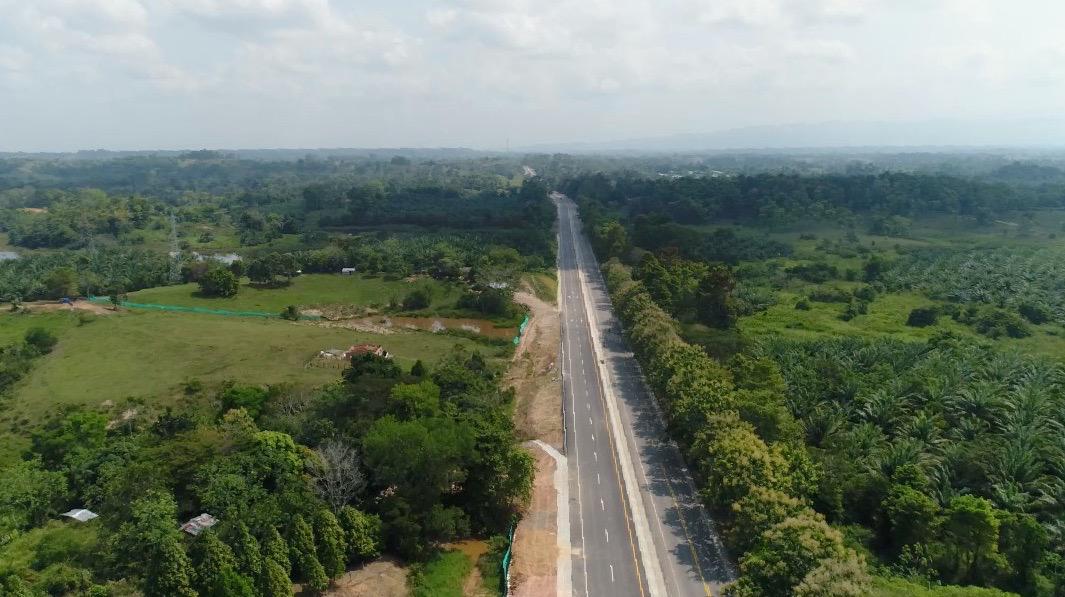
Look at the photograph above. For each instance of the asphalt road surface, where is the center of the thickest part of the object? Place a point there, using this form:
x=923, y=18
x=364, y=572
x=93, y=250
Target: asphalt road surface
x=637, y=527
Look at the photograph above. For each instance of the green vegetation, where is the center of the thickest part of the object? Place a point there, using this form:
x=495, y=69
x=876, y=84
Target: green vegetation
x=855, y=405
x=110, y=359
x=305, y=291
x=311, y=463
x=442, y=576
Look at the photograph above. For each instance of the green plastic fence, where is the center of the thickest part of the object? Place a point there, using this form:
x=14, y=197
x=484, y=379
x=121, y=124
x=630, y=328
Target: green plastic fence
x=187, y=309
x=504, y=578
x=521, y=330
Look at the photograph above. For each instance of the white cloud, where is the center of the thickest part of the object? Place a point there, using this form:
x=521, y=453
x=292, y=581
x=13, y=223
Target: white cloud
x=472, y=71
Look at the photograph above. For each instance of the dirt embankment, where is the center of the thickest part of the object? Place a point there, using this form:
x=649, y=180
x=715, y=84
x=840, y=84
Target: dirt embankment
x=534, y=374
x=50, y=306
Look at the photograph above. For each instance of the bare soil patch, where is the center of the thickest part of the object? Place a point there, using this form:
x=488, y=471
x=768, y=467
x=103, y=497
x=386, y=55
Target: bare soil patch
x=380, y=578
x=49, y=306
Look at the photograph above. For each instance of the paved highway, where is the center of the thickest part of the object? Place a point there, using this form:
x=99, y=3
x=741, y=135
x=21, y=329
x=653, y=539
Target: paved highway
x=636, y=525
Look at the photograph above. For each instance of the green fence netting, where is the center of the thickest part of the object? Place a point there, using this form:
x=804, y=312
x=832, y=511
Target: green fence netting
x=202, y=310
x=521, y=330
x=504, y=577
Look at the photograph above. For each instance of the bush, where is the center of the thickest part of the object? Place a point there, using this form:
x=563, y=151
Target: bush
x=854, y=309
x=218, y=282
x=291, y=313
x=418, y=299
x=922, y=317
x=814, y=272
x=802, y=305
x=1036, y=313
x=995, y=323
x=830, y=295
x=41, y=340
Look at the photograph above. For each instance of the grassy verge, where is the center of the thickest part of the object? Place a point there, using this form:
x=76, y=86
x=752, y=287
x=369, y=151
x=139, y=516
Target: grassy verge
x=442, y=576
x=310, y=289
x=545, y=286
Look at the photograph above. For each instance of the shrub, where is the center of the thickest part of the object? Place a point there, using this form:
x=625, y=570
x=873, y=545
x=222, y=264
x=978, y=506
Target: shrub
x=218, y=282
x=41, y=340
x=1036, y=313
x=995, y=323
x=802, y=305
x=922, y=317
x=814, y=272
x=418, y=299
x=830, y=295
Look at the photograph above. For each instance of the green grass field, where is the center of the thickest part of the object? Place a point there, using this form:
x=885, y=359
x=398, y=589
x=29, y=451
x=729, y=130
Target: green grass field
x=305, y=291
x=887, y=317
x=148, y=355
x=442, y=576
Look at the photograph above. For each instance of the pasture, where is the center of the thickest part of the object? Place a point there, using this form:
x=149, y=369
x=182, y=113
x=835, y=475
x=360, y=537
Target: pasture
x=146, y=357
x=304, y=291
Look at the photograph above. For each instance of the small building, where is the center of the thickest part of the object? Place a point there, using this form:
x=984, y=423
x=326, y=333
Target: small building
x=198, y=524
x=347, y=271
x=361, y=349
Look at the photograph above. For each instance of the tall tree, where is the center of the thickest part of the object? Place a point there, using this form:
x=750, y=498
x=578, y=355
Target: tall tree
x=303, y=551
x=362, y=533
x=332, y=547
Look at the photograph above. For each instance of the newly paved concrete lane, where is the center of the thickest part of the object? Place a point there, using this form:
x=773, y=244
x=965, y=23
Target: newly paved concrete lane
x=601, y=530
x=669, y=546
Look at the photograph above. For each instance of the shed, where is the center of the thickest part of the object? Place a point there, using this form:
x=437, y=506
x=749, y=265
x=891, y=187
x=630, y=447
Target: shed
x=347, y=270
x=198, y=524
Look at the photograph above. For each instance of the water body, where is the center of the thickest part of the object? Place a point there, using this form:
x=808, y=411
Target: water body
x=226, y=258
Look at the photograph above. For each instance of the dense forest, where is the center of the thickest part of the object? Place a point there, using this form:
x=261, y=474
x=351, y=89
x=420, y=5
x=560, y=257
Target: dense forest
x=863, y=370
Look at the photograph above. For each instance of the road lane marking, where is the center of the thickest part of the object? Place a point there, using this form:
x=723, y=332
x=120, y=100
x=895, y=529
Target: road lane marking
x=596, y=454
x=611, y=573
x=607, y=533
x=602, y=506
x=627, y=503
x=597, y=481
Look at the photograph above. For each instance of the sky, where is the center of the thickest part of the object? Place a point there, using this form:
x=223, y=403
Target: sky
x=179, y=74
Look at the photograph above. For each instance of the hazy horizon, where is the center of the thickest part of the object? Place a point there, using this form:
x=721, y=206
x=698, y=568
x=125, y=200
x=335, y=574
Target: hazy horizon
x=485, y=74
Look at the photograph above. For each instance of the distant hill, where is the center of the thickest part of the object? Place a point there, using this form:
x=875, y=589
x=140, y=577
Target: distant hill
x=932, y=135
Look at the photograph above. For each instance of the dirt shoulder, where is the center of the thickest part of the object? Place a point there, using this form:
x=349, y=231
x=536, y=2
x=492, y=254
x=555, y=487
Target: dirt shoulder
x=534, y=374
